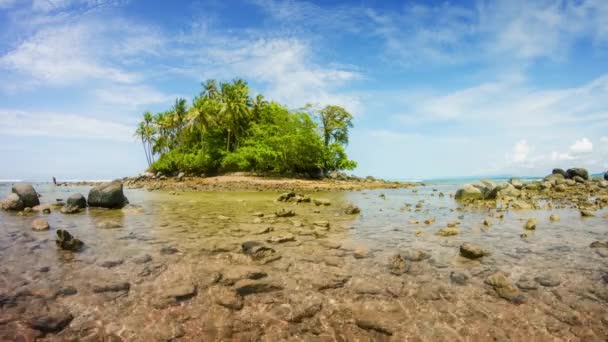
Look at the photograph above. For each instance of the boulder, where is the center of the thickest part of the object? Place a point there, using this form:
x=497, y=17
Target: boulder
x=40, y=224
x=469, y=192
x=77, y=200
x=12, y=202
x=107, y=195
x=606, y=176
x=561, y=172
x=517, y=184
x=504, y=288
x=510, y=191
x=577, y=171
x=316, y=173
x=352, y=209
x=27, y=194
x=66, y=241
x=180, y=176
x=578, y=179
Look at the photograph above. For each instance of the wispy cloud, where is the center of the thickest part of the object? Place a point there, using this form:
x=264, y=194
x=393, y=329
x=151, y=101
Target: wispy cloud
x=63, y=126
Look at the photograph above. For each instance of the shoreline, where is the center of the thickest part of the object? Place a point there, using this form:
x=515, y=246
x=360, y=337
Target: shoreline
x=247, y=182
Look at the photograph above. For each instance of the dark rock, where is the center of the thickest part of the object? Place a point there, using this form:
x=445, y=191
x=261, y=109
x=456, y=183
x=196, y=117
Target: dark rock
x=259, y=252
x=578, y=179
x=50, y=319
x=111, y=263
x=142, y=259
x=316, y=173
x=560, y=172
x=459, y=278
x=107, y=195
x=12, y=202
x=247, y=286
x=285, y=212
x=77, y=200
x=583, y=173
x=27, y=194
x=599, y=244
x=66, y=241
x=352, y=209
x=504, y=288
x=606, y=175
x=70, y=209
x=111, y=287
x=168, y=250
x=66, y=291
x=286, y=196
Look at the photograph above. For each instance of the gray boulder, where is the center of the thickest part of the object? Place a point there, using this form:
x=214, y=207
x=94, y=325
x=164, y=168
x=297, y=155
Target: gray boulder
x=27, y=193
x=517, y=184
x=12, y=202
x=316, y=173
x=108, y=195
x=559, y=172
x=577, y=171
x=77, y=200
x=469, y=192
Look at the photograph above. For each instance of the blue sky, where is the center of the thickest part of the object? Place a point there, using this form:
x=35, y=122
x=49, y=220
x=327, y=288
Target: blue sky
x=438, y=89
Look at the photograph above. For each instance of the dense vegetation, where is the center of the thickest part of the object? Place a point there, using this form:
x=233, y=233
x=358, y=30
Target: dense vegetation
x=225, y=129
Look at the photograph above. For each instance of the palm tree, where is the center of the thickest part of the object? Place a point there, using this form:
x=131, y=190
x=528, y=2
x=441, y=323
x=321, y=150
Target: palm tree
x=210, y=89
x=257, y=106
x=145, y=132
x=201, y=116
x=235, y=108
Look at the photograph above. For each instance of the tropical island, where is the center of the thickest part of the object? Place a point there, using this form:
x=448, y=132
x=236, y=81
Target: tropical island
x=225, y=129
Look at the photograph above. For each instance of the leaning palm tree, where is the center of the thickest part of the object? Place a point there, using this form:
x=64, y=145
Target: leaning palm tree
x=145, y=132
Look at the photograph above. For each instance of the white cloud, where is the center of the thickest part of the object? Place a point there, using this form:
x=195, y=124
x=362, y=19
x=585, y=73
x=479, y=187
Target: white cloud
x=604, y=139
x=520, y=152
x=581, y=146
x=132, y=97
x=7, y=3
x=64, y=126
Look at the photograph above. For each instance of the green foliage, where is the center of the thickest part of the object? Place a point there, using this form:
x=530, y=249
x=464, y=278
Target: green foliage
x=226, y=130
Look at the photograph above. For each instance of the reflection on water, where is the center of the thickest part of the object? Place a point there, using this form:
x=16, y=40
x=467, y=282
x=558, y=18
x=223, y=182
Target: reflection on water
x=186, y=276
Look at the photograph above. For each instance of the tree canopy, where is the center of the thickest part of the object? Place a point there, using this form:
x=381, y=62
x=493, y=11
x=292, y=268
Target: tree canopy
x=225, y=129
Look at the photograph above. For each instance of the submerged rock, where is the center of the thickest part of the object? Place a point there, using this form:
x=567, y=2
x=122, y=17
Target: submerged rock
x=469, y=192
x=459, y=278
x=554, y=217
x=530, y=224
x=257, y=251
x=321, y=201
x=66, y=241
x=285, y=213
x=246, y=287
x=448, y=231
x=504, y=288
x=77, y=200
x=27, y=194
x=50, y=319
x=70, y=209
x=286, y=196
x=471, y=251
x=108, y=195
x=40, y=224
x=397, y=265
x=587, y=213
x=352, y=209
x=599, y=244
x=548, y=280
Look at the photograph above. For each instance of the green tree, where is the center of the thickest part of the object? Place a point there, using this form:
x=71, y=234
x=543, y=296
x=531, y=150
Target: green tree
x=145, y=132
x=335, y=123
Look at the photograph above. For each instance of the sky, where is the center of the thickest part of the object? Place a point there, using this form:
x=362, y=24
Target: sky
x=437, y=88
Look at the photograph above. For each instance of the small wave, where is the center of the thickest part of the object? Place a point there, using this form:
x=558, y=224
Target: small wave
x=10, y=180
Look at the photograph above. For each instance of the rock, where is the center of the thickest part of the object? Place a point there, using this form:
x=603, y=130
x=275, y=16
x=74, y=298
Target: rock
x=281, y=238
x=526, y=284
x=487, y=222
x=469, y=192
x=321, y=201
x=371, y=323
x=180, y=176
x=520, y=205
x=580, y=172
x=504, y=288
x=286, y=196
x=12, y=202
x=246, y=287
x=259, y=252
x=517, y=184
x=316, y=173
x=27, y=194
x=50, y=319
x=77, y=200
x=459, y=278
x=258, y=214
x=285, y=213
x=66, y=241
x=223, y=218
x=554, y=217
x=352, y=209
x=168, y=250
x=109, y=224
x=111, y=263
x=548, y=280
x=70, y=209
x=227, y=298
x=578, y=179
x=599, y=244
x=321, y=223
x=142, y=259
x=606, y=176
x=561, y=172
x=509, y=191
x=264, y=231
x=530, y=224
x=234, y=274
x=365, y=287
x=40, y=224
x=42, y=208
x=66, y=291
x=561, y=188
x=360, y=253
x=415, y=255
x=448, y=231
x=179, y=292
x=471, y=251
x=107, y=195
x=397, y=265
x=587, y=213
x=111, y=287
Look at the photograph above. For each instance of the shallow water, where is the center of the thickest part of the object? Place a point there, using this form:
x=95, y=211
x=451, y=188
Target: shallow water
x=318, y=289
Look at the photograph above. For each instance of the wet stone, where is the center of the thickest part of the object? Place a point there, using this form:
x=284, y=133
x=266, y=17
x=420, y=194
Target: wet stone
x=264, y=231
x=321, y=224
x=66, y=291
x=448, y=231
x=109, y=224
x=50, y=319
x=472, y=251
x=281, y=238
x=504, y=288
x=246, y=287
x=142, y=259
x=526, y=284
x=66, y=241
x=227, y=298
x=232, y=275
x=40, y=225
x=361, y=253
x=285, y=213
x=397, y=265
x=110, y=263
x=111, y=287
x=168, y=250
x=459, y=278
x=548, y=280
x=415, y=255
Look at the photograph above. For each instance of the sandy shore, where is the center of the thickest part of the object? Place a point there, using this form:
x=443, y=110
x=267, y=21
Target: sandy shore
x=245, y=182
